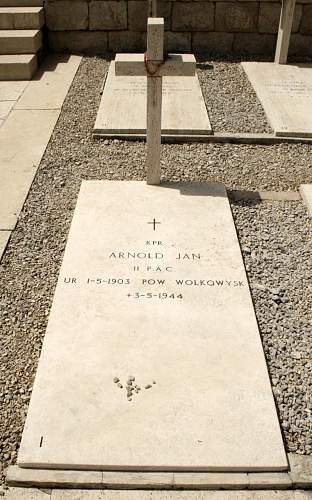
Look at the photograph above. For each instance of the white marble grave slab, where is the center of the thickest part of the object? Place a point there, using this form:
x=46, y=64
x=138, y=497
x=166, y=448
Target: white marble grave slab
x=285, y=92
x=122, y=109
x=168, y=303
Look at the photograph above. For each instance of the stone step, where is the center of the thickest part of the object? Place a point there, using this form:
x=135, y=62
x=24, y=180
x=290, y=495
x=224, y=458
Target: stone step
x=17, y=66
x=21, y=18
x=21, y=3
x=20, y=41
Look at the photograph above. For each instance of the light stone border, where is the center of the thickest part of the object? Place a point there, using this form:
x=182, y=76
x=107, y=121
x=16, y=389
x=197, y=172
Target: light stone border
x=259, y=196
x=299, y=476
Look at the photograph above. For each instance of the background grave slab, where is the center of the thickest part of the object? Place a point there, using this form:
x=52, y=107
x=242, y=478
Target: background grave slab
x=178, y=313
x=285, y=92
x=123, y=106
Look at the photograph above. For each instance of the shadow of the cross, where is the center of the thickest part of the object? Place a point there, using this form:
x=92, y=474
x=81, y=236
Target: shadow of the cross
x=213, y=189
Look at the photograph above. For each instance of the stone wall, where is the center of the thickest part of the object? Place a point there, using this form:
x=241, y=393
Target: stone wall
x=223, y=27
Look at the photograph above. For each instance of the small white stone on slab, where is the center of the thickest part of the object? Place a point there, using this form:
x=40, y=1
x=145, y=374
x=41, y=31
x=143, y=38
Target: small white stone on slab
x=152, y=286
x=285, y=92
x=306, y=194
x=123, y=106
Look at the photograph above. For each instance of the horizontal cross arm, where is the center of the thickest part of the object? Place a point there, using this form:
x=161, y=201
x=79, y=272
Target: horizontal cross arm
x=174, y=65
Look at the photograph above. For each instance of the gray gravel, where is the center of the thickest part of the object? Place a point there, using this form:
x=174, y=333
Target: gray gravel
x=276, y=241
x=29, y=269
x=231, y=102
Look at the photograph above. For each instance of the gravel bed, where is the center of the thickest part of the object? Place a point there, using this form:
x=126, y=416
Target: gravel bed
x=276, y=240
x=231, y=101
x=29, y=269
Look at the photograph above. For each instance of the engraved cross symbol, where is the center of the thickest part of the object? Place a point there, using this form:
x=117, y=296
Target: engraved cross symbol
x=154, y=222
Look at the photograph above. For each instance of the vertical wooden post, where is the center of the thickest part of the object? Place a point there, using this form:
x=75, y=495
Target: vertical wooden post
x=153, y=131
x=155, y=54
x=152, y=8
x=284, y=31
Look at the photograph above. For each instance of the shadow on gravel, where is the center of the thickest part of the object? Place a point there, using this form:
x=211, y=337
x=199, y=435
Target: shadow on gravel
x=239, y=197
x=202, y=57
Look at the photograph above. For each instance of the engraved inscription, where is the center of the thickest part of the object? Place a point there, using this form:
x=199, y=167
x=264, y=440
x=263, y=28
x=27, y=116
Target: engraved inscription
x=291, y=88
x=133, y=87
x=147, y=280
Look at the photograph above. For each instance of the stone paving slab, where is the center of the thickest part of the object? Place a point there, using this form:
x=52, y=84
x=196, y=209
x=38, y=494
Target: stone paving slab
x=4, y=238
x=268, y=480
x=210, y=480
x=25, y=133
x=23, y=139
x=306, y=194
x=160, y=495
x=59, y=494
x=5, y=108
x=47, y=478
x=11, y=91
x=27, y=494
x=44, y=478
x=50, y=85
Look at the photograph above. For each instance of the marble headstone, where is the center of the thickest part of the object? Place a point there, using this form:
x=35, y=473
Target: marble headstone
x=285, y=92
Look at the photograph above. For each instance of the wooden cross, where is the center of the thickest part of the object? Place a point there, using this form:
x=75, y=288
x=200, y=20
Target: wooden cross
x=284, y=31
x=152, y=8
x=154, y=66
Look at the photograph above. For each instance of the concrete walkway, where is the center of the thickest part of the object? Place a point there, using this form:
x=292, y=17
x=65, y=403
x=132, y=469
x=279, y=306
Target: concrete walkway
x=35, y=494
x=28, y=114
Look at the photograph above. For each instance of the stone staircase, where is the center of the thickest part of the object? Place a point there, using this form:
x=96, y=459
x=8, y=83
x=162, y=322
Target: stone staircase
x=20, y=38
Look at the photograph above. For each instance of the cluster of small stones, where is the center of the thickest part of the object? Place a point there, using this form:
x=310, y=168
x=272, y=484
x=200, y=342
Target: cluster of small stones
x=131, y=387
x=31, y=264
